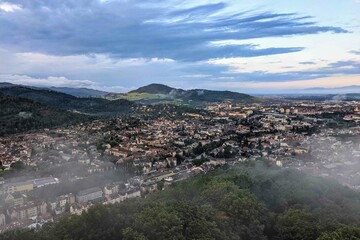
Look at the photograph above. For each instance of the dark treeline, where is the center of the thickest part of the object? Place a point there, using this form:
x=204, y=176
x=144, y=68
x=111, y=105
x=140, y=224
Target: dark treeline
x=21, y=115
x=64, y=101
x=250, y=201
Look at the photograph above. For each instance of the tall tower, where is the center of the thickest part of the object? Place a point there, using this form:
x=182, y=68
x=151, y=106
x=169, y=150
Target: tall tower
x=356, y=109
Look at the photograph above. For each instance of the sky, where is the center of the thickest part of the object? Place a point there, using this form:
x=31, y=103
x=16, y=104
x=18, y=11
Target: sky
x=255, y=47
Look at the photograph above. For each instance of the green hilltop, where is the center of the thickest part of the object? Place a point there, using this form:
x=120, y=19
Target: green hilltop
x=159, y=93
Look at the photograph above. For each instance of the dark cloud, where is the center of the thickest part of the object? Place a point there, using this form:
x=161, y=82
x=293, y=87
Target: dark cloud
x=307, y=63
x=341, y=67
x=356, y=52
x=146, y=29
x=199, y=11
x=342, y=64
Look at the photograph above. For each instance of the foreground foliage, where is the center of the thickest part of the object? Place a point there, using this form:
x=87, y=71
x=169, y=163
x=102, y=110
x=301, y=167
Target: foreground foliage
x=250, y=201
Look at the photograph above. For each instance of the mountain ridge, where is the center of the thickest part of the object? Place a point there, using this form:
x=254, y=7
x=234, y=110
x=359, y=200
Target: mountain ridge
x=21, y=115
x=83, y=98
x=160, y=93
x=68, y=102
x=79, y=92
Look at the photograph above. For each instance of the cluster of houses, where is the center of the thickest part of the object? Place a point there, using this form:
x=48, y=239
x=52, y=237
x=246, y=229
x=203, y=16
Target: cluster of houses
x=332, y=153
x=157, y=151
x=20, y=209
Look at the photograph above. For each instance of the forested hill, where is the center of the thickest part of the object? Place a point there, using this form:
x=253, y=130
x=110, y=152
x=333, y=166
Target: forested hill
x=159, y=93
x=79, y=92
x=155, y=89
x=67, y=102
x=200, y=95
x=251, y=201
x=21, y=115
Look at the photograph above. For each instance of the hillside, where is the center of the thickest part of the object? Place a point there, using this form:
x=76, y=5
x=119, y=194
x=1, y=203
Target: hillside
x=67, y=102
x=158, y=93
x=251, y=201
x=76, y=92
x=21, y=115
x=6, y=84
x=154, y=89
x=94, y=106
x=79, y=92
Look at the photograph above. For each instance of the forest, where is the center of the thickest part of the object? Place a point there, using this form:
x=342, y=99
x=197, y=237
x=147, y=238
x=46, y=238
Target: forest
x=252, y=200
x=19, y=115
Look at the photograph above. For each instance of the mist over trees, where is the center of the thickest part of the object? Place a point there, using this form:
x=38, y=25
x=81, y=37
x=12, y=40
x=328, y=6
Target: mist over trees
x=250, y=201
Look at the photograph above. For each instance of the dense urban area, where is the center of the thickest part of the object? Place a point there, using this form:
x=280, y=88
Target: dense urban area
x=49, y=173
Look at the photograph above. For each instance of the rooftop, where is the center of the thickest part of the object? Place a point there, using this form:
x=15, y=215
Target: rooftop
x=89, y=191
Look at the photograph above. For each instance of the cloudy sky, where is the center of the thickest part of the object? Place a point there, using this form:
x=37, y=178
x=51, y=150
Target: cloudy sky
x=256, y=46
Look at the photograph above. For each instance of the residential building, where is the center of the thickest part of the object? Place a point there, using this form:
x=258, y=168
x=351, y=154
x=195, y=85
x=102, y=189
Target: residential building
x=90, y=194
x=13, y=187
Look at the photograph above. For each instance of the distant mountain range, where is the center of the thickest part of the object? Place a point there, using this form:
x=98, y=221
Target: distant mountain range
x=159, y=93
x=338, y=90
x=150, y=94
x=76, y=92
x=79, y=92
x=112, y=103
x=326, y=97
x=95, y=106
x=6, y=84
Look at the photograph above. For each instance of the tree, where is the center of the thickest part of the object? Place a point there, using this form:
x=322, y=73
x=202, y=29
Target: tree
x=241, y=213
x=296, y=224
x=245, y=214
x=18, y=165
x=199, y=149
x=344, y=233
x=160, y=185
x=158, y=222
x=131, y=234
x=197, y=222
x=67, y=207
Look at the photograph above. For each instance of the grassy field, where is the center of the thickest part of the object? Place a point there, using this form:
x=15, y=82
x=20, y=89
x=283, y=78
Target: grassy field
x=137, y=96
x=146, y=98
